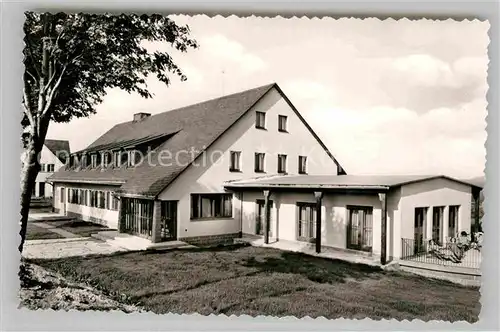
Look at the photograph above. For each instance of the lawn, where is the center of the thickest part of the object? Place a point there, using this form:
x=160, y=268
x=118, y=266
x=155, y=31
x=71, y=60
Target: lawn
x=261, y=281
x=34, y=232
x=79, y=227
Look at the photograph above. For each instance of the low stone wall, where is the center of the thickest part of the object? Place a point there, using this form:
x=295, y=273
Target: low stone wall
x=210, y=240
x=463, y=276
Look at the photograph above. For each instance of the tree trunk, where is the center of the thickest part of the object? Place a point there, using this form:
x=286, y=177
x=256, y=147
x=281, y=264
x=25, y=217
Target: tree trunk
x=29, y=173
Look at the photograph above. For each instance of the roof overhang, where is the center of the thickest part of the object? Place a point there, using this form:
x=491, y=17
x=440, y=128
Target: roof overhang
x=303, y=187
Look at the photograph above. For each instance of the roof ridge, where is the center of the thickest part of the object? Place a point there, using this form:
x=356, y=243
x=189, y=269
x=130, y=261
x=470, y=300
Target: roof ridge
x=202, y=102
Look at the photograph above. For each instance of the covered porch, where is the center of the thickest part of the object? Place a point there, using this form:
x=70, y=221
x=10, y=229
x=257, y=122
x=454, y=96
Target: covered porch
x=307, y=214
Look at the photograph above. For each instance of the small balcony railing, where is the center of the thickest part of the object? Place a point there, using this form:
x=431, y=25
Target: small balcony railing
x=454, y=253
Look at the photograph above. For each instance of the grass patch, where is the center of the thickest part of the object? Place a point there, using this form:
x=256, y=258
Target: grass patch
x=262, y=281
x=78, y=227
x=34, y=232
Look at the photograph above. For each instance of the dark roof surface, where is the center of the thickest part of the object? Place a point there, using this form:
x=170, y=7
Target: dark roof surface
x=340, y=181
x=60, y=148
x=194, y=127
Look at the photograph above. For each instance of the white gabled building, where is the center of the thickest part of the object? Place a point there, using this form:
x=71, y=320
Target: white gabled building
x=209, y=171
x=52, y=158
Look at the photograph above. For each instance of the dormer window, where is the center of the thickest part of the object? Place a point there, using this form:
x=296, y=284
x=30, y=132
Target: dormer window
x=116, y=158
x=124, y=158
x=93, y=161
x=84, y=161
x=104, y=159
x=132, y=158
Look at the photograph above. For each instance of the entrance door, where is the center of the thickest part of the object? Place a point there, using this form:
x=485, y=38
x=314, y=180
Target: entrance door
x=63, y=200
x=168, y=220
x=419, y=228
x=41, y=189
x=260, y=217
x=360, y=228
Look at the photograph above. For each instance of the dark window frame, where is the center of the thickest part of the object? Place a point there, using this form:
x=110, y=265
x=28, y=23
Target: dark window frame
x=453, y=214
x=282, y=166
x=302, y=170
x=258, y=168
x=364, y=242
x=310, y=220
x=232, y=166
x=217, y=206
x=283, y=126
x=260, y=120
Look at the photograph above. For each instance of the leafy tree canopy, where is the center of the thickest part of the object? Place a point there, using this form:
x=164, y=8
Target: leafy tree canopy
x=85, y=54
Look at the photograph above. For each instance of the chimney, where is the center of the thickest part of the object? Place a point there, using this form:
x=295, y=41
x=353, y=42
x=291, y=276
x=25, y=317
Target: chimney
x=141, y=116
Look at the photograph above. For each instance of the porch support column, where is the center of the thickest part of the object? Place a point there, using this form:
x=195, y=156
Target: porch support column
x=319, y=196
x=445, y=224
x=475, y=196
x=383, y=233
x=121, y=215
x=266, y=216
x=156, y=227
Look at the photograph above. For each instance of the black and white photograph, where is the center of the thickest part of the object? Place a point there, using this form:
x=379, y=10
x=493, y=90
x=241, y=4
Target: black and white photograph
x=261, y=166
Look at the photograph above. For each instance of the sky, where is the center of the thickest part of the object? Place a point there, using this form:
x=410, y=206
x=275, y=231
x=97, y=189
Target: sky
x=386, y=97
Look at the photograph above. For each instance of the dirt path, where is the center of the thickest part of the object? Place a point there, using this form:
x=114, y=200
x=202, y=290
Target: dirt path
x=58, y=248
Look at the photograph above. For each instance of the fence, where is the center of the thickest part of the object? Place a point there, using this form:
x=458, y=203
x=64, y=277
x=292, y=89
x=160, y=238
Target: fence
x=449, y=254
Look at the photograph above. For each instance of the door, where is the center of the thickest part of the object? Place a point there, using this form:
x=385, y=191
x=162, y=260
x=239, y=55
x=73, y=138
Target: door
x=63, y=200
x=168, y=220
x=437, y=224
x=360, y=228
x=41, y=189
x=419, y=228
x=260, y=217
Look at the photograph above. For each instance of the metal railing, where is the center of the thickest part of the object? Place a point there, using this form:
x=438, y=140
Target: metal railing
x=454, y=254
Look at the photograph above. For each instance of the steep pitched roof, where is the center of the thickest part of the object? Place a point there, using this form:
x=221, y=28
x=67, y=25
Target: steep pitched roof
x=60, y=148
x=190, y=128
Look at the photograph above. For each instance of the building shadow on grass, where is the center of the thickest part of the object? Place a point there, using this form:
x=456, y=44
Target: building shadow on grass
x=316, y=269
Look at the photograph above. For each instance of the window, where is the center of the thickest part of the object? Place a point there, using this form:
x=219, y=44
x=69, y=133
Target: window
x=50, y=167
x=105, y=159
x=281, y=163
x=93, y=161
x=101, y=204
x=61, y=194
x=235, y=161
x=302, y=165
x=42, y=167
x=282, y=119
x=453, y=220
x=260, y=121
x=86, y=198
x=133, y=157
x=108, y=201
x=211, y=206
x=116, y=158
x=114, y=203
x=81, y=196
x=259, y=162
x=124, y=158
x=419, y=228
x=437, y=224
x=360, y=228
x=306, y=221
